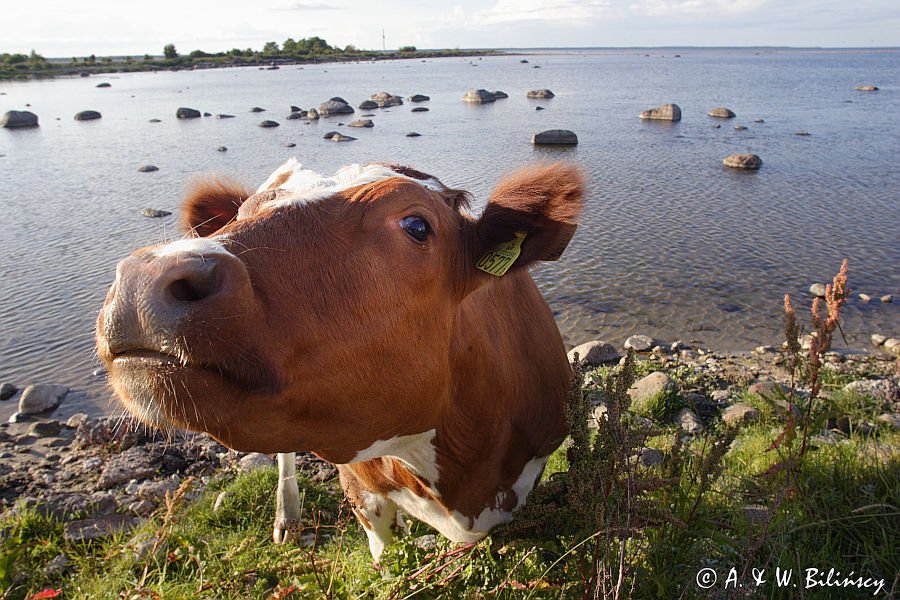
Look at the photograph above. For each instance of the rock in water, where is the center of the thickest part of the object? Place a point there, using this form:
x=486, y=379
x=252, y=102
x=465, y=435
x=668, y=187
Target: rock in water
x=555, y=137
x=148, y=168
x=8, y=390
x=41, y=397
x=542, y=94
x=187, y=113
x=721, y=113
x=498, y=95
x=361, y=123
x=479, y=96
x=268, y=123
x=334, y=107
x=16, y=119
x=750, y=162
x=817, y=290
x=385, y=100
x=666, y=112
x=867, y=88
x=419, y=98
x=87, y=115
x=368, y=105
x=257, y=109
x=155, y=213
x=104, y=85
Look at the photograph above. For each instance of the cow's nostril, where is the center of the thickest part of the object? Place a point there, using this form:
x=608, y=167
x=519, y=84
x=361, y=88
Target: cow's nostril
x=192, y=289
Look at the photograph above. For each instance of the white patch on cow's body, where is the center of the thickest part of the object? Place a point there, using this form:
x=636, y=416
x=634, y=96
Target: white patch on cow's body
x=383, y=518
x=416, y=451
x=460, y=528
x=287, y=500
x=306, y=186
x=191, y=247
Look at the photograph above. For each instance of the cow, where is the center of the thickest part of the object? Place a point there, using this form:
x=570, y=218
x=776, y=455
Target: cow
x=365, y=317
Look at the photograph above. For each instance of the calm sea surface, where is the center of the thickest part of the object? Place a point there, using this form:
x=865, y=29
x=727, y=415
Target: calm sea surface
x=672, y=244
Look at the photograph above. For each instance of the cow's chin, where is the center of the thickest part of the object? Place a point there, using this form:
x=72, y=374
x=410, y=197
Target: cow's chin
x=164, y=393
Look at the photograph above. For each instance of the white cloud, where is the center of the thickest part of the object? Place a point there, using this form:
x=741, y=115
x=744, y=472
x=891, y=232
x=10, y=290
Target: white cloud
x=668, y=8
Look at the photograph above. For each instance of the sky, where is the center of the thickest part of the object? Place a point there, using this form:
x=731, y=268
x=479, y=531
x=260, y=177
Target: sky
x=62, y=28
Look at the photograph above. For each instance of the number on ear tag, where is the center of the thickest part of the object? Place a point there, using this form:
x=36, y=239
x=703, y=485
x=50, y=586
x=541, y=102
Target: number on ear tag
x=499, y=259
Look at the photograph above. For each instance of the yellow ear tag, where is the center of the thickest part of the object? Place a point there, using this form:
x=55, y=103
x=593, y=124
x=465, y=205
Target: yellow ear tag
x=499, y=259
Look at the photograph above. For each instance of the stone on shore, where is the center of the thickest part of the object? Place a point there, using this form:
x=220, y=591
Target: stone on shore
x=885, y=391
x=739, y=413
x=45, y=428
x=7, y=390
x=639, y=343
x=312, y=114
x=688, y=421
x=41, y=397
x=98, y=528
x=361, y=123
x=255, y=460
x=188, y=113
x=419, y=98
x=817, y=290
x=866, y=88
x=541, y=94
x=334, y=107
x=666, y=112
x=76, y=420
x=87, y=115
x=750, y=162
x=267, y=123
x=654, y=396
x=148, y=169
x=18, y=119
x=479, y=97
x=555, y=137
x=155, y=213
x=721, y=113
x=878, y=339
x=134, y=463
x=594, y=353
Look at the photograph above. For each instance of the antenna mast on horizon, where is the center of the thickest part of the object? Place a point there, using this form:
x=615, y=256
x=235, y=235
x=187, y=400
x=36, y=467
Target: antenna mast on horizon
x=383, y=43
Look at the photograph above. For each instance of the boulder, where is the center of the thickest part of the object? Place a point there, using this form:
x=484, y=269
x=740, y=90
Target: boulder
x=739, y=413
x=689, y=421
x=542, y=94
x=104, y=85
x=418, y=98
x=87, y=115
x=721, y=113
x=41, y=397
x=555, y=137
x=386, y=100
x=295, y=108
x=368, y=105
x=330, y=134
x=639, y=343
x=312, y=114
x=17, y=119
x=45, y=428
x=500, y=95
x=594, y=353
x=419, y=109
x=361, y=123
x=296, y=115
x=257, y=109
x=340, y=137
x=148, y=169
x=333, y=107
x=866, y=88
x=155, y=213
x=268, y=123
x=188, y=113
x=887, y=298
x=413, y=134
x=666, y=112
x=877, y=340
x=479, y=97
x=338, y=99
x=743, y=161
x=650, y=457
x=817, y=290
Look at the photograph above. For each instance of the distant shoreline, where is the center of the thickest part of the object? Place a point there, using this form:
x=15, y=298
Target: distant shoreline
x=72, y=69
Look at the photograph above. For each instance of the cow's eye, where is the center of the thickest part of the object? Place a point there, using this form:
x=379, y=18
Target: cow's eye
x=416, y=227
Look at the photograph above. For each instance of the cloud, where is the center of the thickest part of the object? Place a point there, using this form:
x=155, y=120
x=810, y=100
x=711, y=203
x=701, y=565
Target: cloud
x=309, y=6
x=678, y=8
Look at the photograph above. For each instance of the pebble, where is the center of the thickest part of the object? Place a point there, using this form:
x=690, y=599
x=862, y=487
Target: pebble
x=41, y=398
x=45, y=428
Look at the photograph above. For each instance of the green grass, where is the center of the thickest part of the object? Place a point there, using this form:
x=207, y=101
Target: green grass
x=840, y=509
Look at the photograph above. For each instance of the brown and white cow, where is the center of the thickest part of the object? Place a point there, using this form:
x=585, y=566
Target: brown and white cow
x=348, y=316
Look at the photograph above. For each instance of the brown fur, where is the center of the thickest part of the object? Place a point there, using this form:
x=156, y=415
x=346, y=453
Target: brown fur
x=334, y=329
x=211, y=203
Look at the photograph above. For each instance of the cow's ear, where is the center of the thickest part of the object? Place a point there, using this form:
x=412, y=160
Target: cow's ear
x=530, y=217
x=210, y=204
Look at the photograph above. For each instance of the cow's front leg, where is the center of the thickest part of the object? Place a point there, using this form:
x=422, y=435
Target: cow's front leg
x=287, y=500
x=376, y=512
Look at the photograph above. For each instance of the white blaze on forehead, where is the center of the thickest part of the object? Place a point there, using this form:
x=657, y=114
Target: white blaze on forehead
x=192, y=247
x=307, y=186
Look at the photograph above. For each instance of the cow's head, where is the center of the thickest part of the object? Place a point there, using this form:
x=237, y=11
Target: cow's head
x=317, y=313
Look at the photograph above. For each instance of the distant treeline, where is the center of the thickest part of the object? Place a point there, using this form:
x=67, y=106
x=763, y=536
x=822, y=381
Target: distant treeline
x=21, y=66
